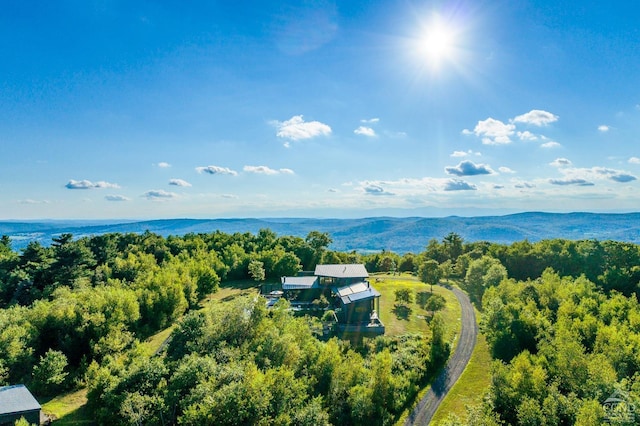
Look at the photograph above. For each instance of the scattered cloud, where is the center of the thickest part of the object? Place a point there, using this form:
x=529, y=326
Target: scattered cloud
x=565, y=182
x=373, y=189
x=365, y=131
x=498, y=186
x=469, y=168
x=32, y=201
x=536, y=117
x=164, y=165
x=86, y=184
x=159, y=195
x=525, y=185
x=493, y=132
x=179, y=182
x=370, y=120
x=458, y=185
x=229, y=196
x=457, y=154
x=634, y=160
x=216, y=170
x=622, y=177
x=264, y=170
x=561, y=162
x=598, y=173
x=603, y=128
x=550, y=144
x=504, y=169
x=333, y=190
x=116, y=198
x=297, y=129
x=526, y=136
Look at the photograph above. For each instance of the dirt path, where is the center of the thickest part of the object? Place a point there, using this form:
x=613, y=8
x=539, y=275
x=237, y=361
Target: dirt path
x=426, y=408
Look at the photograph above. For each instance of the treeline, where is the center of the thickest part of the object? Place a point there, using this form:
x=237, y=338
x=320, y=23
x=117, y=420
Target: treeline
x=236, y=363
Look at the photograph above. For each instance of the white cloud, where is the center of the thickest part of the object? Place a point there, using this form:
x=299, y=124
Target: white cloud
x=550, y=144
x=457, y=154
x=370, y=120
x=603, y=128
x=458, y=185
x=333, y=190
x=116, y=198
x=598, y=173
x=493, y=132
x=504, y=169
x=229, y=196
x=634, y=160
x=216, y=170
x=86, y=184
x=297, y=129
x=164, y=165
x=374, y=189
x=560, y=162
x=179, y=182
x=264, y=170
x=536, y=117
x=159, y=195
x=527, y=136
x=575, y=181
x=469, y=168
x=365, y=131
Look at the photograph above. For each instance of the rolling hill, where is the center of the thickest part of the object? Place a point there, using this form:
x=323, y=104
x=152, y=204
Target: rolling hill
x=407, y=234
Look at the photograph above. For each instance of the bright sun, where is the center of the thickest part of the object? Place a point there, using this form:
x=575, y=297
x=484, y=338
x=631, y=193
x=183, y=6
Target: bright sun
x=438, y=43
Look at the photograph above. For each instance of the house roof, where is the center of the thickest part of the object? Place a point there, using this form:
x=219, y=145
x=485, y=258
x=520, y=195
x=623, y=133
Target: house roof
x=16, y=399
x=342, y=271
x=356, y=292
x=299, y=283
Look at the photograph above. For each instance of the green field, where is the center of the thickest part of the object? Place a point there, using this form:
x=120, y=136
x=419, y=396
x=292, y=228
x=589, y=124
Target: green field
x=414, y=319
x=472, y=385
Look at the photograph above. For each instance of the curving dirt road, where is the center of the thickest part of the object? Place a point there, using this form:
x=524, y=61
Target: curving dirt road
x=426, y=408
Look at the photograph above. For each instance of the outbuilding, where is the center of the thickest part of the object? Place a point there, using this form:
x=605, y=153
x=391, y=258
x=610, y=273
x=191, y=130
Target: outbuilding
x=15, y=402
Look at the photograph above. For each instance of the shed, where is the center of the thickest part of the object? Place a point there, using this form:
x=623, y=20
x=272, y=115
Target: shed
x=15, y=402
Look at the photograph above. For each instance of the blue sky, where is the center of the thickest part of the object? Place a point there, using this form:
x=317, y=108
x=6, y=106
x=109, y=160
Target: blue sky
x=129, y=109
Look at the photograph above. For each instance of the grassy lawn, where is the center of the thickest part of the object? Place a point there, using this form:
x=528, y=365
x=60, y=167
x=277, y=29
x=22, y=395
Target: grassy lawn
x=471, y=386
x=69, y=408
x=414, y=319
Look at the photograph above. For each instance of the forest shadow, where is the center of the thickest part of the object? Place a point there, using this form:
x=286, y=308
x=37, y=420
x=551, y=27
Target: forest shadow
x=402, y=312
x=422, y=298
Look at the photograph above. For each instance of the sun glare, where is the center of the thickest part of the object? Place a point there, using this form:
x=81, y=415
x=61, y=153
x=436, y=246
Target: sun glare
x=437, y=44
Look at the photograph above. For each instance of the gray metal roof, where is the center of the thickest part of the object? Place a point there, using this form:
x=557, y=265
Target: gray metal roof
x=299, y=283
x=342, y=271
x=356, y=292
x=16, y=399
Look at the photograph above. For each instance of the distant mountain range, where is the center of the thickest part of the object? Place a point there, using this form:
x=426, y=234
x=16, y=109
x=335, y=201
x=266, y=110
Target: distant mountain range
x=401, y=235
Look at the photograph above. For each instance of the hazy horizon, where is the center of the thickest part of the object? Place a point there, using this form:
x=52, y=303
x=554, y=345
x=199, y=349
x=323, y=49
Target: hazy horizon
x=318, y=109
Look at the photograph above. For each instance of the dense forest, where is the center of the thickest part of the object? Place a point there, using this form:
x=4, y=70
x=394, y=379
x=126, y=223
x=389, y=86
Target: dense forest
x=561, y=318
